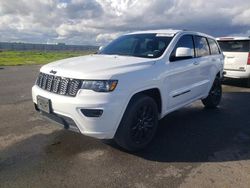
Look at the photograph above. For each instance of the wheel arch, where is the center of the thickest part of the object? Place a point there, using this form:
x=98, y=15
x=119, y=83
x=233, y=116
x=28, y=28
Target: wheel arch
x=219, y=74
x=154, y=93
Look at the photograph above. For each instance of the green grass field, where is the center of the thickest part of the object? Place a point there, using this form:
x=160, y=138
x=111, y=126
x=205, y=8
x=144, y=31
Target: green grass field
x=11, y=58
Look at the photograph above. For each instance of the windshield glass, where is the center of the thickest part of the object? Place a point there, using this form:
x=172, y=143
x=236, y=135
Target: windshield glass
x=138, y=45
x=234, y=46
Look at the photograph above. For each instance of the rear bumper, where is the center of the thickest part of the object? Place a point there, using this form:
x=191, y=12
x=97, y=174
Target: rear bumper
x=237, y=74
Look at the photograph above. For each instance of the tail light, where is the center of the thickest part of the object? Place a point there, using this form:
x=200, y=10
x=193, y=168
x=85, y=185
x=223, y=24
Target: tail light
x=248, y=61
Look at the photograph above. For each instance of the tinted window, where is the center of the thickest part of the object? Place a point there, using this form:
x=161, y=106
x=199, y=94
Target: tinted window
x=139, y=45
x=201, y=46
x=185, y=41
x=213, y=47
x=234, y=46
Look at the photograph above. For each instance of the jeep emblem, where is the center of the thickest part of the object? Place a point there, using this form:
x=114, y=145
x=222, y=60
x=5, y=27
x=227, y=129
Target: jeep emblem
x=53, y=72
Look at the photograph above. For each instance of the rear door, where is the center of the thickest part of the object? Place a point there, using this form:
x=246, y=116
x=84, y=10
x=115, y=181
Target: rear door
x=204, y=62
x=236, y=54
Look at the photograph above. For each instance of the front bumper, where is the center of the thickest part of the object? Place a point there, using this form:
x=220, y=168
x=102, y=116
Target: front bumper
x=69, y=108
x=65, y=122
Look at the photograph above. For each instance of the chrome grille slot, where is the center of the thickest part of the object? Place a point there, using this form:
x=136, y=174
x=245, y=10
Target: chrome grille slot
x=74, y=87
x=45, y=79
x=63, y=86
x=58, y=85
x=50, y=82
x=40, y=80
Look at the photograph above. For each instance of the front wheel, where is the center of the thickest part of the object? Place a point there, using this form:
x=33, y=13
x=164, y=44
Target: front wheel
x=139, y=124
x=214, y=97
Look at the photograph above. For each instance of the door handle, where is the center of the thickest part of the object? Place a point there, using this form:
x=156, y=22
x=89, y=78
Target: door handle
x=196, y=63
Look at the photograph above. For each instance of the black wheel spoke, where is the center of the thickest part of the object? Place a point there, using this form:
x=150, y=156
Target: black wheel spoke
x=143, y=124
x=149, y=125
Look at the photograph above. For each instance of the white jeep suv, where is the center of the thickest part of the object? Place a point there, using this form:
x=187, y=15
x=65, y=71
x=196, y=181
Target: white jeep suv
x=122, y=91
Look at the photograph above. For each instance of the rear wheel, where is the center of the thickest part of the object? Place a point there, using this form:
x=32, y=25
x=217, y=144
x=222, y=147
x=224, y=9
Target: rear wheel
x=214, y=97
x=139, y=124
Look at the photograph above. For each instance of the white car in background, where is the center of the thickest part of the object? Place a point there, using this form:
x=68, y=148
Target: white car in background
x=134, y=81
x=237, y=57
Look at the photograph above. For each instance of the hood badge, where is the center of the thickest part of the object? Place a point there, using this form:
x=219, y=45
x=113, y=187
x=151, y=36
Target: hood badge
x=53, y=72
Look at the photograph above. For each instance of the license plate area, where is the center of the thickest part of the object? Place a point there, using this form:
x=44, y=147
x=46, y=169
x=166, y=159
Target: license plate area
x=44, y=104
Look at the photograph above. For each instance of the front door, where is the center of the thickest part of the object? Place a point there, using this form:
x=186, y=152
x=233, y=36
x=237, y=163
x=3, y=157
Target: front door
x=183, y=76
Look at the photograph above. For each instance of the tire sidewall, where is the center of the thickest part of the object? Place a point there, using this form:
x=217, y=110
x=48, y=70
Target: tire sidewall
x=123, y=134
x=217, y=82
x=209, y=101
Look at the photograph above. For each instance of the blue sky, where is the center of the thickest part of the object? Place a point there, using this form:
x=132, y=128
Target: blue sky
x=99, y=21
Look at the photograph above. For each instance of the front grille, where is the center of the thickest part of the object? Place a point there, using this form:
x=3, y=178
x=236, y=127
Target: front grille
x=59, y=85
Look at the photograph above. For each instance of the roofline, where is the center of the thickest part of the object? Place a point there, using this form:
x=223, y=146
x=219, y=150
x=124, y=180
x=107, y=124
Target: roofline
x=197, y=33
x=167, y=31
x=232, y=38
x=170, y=31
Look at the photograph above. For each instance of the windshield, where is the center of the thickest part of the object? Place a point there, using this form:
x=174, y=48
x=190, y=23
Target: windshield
x=234, y=46
x=138, y=45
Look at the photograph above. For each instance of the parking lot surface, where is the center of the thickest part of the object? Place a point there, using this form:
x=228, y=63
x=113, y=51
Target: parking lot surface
x=194, y=147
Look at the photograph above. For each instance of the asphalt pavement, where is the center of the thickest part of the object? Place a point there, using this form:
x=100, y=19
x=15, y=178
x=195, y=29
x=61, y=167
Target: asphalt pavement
x=194, y=147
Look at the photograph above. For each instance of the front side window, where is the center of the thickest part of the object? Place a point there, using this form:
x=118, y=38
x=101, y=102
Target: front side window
x=185, y=41
x=201, y=46
x=213, y=47
x=138, y=45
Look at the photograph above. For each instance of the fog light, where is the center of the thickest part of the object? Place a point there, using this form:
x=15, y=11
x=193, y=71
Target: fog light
x=92, y=112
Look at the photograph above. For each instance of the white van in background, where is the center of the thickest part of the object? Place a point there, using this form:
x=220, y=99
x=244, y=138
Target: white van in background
x=237, y=57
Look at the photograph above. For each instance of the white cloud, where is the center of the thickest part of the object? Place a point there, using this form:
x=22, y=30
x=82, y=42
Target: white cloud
x=98, y=21
x=106, y=37
x=242, y=18
x=62, y=5
x=118, y=7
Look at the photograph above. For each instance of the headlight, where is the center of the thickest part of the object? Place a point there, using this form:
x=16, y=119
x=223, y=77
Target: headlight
x=100, y=85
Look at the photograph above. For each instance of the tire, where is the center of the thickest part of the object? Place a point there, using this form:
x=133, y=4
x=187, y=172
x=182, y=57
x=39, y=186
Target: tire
x=138, y=125
x=214, y=97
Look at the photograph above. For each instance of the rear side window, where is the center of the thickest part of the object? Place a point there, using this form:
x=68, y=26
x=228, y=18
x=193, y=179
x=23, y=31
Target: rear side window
x=201, y=46
x=185, y=41
x=213, y=46
x=234, y=46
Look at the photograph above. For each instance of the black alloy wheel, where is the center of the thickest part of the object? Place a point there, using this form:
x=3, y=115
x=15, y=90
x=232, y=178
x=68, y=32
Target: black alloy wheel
x=215, y=94
x=139, y=124
x=143, y=124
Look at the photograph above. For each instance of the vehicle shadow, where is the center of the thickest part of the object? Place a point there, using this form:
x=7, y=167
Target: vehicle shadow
x=56, y=148
x=235, y=82
x=191, y=134
x=196, y=134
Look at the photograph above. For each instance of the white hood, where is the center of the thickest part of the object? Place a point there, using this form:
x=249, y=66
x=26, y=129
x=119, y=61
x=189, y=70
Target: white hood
x=96, y=66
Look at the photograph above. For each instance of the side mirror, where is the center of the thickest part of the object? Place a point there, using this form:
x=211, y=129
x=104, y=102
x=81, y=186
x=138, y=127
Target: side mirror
x=100, y=48
x=183, y=53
